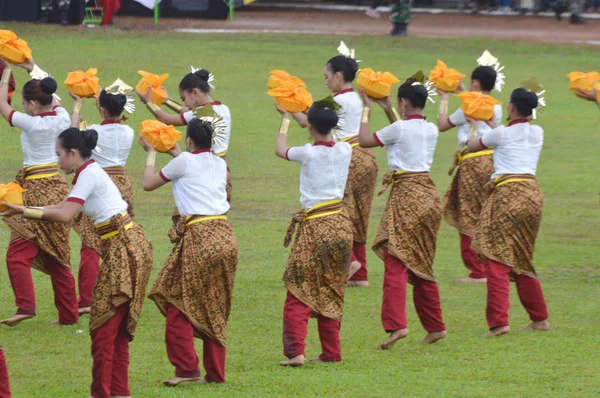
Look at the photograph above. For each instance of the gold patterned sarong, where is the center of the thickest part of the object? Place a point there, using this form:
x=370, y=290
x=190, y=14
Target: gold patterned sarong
x=463, y=200
x=410, y=223
x=317, y=269
x=43, y=187
x=199, y=274
x=509, y=222
x=124, y=274
x=360, y=188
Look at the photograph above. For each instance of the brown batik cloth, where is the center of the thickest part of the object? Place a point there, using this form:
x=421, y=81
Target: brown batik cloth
x=51, y=237
x=463, y=200
x=317, y=269
x=360, y=188
x=199, y=275
x=85, y=225
x=509, y=223
x=123, y=276
x=410, y=223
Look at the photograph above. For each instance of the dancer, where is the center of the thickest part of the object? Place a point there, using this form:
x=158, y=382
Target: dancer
x=511, y=216
x=317, y=269
x=406, y=238
x=339, y=73
x=194, y=288
x=43, y=246
x=114, y=141
x=4, y=383
x=462, y=202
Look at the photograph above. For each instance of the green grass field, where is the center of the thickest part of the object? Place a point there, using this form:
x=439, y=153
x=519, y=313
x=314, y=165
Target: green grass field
x=49, y=361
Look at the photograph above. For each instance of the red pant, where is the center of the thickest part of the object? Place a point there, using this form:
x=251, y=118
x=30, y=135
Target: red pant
x=426, y=297
x=179, y=337
x=19, y=258
x=359, y=253
x=470, y=258
x=528, y=288
x=88, y=274
x=4, y=385
x=295, y=329
x=110, y=352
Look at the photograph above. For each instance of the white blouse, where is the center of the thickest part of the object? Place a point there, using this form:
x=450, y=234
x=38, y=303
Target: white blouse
x=199, y=183
x=459, y=120
x=323, y=171
x=39, y=134
x=351, y=113
x=517, y=147
x=409, y=143
x=221, y=110
x=115, y=141
x=97, y=193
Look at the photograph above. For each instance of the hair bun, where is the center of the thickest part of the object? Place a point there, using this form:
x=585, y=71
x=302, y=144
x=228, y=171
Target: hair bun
x=90, y=138
x=352, y=64
x=48, y=85
x=532, y=99
x=202, y=74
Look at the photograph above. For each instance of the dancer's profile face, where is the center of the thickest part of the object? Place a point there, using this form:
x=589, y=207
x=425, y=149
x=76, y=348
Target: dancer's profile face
x=333, y=81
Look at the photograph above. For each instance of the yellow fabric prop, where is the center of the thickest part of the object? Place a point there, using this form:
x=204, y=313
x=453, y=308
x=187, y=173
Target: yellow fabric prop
x=278, y=77
x=291, y=97
x=10, y=193
x=584, y=81
x=85, y=85
x=159, y=95
x=376, y=84
x=161, y=136
x=13, y=49
x=445, y=79
x=478, y=106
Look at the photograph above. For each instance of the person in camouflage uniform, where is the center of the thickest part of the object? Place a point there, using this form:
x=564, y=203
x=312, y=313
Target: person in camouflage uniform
x=62, y=5
x=400, y=17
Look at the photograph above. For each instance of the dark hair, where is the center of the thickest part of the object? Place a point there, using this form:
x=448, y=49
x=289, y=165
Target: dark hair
x=416, y=94
x=113, y=103
x=40, y=90
x=525, y=101
x=486, y=76
x=322, y=118
x=200, y=132
x=82, y=140
x=198, y=79
x=347, y=66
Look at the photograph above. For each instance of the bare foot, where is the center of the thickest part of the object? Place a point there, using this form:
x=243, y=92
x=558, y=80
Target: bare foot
x=433, y=337
x=354, y=267
x=16, y=319
x=298, y=360
x=499, y=331
x=541, y=325
x=472, y=280
x=394, y=336
x=175, y=381
x=317, y=360
x=84, y=310
x=357, y=283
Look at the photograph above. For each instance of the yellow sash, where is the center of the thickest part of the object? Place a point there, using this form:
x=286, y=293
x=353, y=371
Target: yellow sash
x=315, y=210
x=353, y=141
x=191, y=220
x=106, y=230
x=41, y=171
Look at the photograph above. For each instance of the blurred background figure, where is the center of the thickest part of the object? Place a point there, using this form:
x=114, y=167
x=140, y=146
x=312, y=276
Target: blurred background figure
x=400, y=17
x=372, y=10
x=62, y=6
x=592, y=6
x=575, y=6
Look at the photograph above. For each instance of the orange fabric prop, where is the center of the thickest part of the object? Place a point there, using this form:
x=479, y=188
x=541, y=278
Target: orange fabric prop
x=376, y=84
x=478, y=106
x=10, y=193
x=13, y=49
x=85, y=85
x=158, y=93
x=291, y=98
x=584, y=81
x=161, y=136
x=279, y=77
x=445, y=79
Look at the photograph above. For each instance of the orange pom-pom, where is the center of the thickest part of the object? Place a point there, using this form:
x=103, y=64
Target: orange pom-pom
x=584, y=81
x=278, y=77
x=13, y=49
x=85, y=85
x=376, y=84
x=291, y=97
x=161, y=136
x=478, y=106
x=158, y=93
x=10, y=193
x=445, y=79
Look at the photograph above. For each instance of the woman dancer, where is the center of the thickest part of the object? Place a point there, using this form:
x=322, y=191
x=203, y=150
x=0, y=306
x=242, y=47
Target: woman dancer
x=195, y=286
x=43, y=246
x=511, y=216
x=406, y=238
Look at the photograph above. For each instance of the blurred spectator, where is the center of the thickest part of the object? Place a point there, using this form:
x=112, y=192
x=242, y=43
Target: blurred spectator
x=593, y=6
x=372, y=10
x=576, y=8
x=62, y=6
x=110, y=8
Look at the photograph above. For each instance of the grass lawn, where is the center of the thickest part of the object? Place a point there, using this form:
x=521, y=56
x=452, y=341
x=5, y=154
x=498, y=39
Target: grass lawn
x=47, y=361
